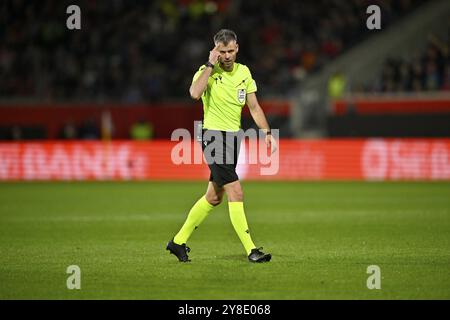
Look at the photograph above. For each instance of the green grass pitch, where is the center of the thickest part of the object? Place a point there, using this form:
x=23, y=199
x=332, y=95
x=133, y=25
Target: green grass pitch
x=322, y=235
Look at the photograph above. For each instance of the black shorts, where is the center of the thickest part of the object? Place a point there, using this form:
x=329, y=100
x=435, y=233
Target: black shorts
x=221, y=151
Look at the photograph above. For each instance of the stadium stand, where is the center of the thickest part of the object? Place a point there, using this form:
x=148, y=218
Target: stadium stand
x=142, y=51
x=427, y=70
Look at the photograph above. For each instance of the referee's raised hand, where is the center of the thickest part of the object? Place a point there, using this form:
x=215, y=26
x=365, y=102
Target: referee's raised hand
x=198, y=86
x=214, y=55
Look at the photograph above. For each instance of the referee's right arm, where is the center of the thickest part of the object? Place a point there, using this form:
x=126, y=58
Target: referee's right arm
x=199, y=86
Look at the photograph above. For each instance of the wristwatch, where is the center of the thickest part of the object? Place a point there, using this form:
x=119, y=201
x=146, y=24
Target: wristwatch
x=209, y=64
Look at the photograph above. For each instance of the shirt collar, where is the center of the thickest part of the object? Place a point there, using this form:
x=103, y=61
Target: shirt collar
x=229, y=72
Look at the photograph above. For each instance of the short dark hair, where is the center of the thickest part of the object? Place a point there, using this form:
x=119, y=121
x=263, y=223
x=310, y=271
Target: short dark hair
x=225, y=36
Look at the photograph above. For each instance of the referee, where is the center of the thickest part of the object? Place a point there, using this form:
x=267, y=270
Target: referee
x=225, y=86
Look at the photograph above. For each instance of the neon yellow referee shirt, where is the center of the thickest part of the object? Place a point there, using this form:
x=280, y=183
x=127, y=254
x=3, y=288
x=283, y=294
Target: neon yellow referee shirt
x=225, y=96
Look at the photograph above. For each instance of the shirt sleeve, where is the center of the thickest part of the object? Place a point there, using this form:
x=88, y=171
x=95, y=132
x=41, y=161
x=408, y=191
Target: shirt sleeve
x=251, y=85
x=198, y=73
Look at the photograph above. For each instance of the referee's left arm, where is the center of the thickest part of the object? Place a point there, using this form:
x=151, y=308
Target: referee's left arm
x=260, y=119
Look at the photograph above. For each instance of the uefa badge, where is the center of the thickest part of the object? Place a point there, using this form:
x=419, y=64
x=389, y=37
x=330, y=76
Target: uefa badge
x=241, y=93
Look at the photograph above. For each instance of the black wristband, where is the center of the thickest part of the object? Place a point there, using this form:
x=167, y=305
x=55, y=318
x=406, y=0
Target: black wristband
x=209, y=64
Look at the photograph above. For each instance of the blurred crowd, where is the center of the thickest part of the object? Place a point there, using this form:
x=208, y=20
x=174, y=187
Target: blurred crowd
x=135, y=50
x=428, y=70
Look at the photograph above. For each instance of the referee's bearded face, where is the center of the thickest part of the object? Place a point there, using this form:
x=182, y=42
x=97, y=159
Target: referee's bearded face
x=227, y=54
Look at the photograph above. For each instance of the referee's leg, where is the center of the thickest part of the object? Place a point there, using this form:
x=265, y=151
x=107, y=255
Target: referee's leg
x=234, y=191
x=214, y=193
x=237, y=214
x=199, y=212
x=239, y=221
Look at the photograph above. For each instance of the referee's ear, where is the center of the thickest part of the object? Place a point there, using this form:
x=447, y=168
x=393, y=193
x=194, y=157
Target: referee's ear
x=237, y=47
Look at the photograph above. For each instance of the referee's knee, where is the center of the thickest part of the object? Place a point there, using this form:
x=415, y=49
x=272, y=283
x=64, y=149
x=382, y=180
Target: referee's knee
x=236, y=195
x=214, y=200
